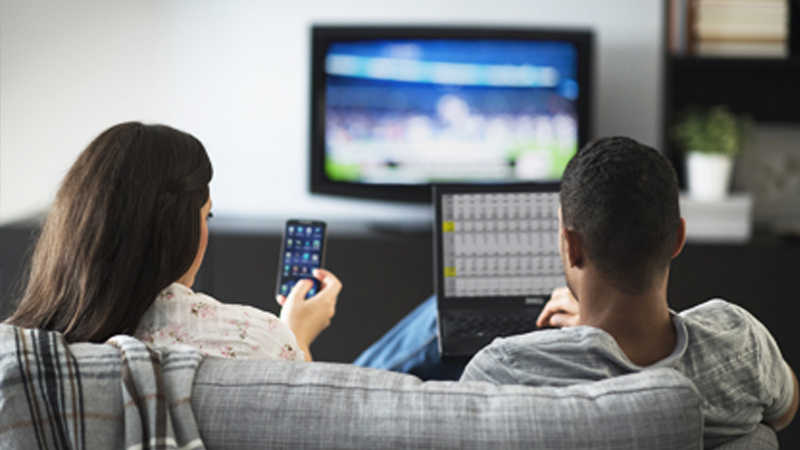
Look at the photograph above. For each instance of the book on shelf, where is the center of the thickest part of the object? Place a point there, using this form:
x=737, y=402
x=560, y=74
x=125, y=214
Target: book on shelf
x=709, y=30
x=735, y=7
x=757, y=28
x=729, y=48
x=751, y=20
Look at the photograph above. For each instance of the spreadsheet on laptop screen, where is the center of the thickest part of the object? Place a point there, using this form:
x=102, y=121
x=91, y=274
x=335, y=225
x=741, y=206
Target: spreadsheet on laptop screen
x=500, y=244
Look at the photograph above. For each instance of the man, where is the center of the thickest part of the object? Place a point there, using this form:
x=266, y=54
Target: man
x=620, y=227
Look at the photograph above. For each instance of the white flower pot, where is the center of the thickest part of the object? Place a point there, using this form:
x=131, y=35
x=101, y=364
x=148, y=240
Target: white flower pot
x=709, y=175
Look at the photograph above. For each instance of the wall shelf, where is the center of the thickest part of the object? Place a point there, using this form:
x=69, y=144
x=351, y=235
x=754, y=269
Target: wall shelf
x=768, y=89
x=765, y=88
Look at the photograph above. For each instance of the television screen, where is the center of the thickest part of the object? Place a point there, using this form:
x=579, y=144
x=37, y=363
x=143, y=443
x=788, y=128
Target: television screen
x=404, y=109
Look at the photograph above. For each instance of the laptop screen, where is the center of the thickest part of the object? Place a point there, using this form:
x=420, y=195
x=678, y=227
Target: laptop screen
x=498, y=242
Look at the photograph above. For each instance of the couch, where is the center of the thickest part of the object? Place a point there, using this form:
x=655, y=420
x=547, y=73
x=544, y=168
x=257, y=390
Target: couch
x=128, y=395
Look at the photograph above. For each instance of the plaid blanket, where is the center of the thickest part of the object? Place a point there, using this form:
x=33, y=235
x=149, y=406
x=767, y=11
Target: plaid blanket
x=82, y=396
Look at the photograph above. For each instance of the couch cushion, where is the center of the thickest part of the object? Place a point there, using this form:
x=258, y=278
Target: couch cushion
x=274, y=404
x=761, y=438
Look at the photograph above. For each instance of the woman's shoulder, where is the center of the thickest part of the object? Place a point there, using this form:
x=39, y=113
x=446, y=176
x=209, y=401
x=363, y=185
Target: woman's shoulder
x=182, y=316
x=179, y=293
x=178, y=296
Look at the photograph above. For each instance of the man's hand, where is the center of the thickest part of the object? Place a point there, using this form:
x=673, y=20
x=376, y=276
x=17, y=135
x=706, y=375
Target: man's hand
x=307, y=318
x=561, y=311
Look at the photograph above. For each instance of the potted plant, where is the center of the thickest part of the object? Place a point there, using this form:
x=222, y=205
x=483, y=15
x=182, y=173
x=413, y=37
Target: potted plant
x=711, y=140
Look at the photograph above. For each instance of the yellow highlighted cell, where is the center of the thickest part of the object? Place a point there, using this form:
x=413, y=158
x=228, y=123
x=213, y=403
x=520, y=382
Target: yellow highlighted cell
x=449, y=271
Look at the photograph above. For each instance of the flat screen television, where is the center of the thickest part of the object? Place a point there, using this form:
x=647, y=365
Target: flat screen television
x=396, y=108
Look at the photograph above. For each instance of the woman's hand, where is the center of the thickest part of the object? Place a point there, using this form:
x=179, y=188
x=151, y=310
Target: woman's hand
x=561, y=311
x=307, y=318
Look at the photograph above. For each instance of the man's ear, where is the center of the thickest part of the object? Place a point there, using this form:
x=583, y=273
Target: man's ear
x=681, y=239
x=573, y=246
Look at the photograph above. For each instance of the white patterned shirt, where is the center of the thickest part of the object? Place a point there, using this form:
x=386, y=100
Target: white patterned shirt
x=182, y=316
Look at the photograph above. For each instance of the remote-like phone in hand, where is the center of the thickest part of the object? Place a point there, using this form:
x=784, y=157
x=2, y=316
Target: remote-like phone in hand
x=302, y=251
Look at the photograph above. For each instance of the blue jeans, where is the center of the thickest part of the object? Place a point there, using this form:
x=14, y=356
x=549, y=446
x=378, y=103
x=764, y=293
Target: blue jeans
x=412, y=347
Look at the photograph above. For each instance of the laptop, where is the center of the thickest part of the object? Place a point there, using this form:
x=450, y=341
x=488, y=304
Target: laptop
x=496, y=261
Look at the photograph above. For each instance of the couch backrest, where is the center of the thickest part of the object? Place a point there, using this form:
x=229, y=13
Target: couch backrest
x=761, y=438
x=269, y=404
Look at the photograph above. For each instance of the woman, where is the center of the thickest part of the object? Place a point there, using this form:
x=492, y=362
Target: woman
x=120, y=248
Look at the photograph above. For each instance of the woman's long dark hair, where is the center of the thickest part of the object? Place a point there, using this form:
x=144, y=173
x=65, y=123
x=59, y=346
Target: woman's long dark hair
x=124, y=225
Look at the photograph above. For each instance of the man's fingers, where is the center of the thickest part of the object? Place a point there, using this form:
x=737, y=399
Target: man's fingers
x=550, y=309
x=562, y=299
x=544, y=317
x=559, y=310
x=280, y=299
x=560, y=292
x=563, y=304
x=561, y=320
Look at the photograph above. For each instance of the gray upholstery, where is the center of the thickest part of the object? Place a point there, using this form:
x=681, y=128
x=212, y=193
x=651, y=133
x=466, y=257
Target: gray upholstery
x=269, y=404
x=762, y=438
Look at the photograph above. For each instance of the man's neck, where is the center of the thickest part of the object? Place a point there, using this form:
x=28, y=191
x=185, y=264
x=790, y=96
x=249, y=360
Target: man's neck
x=639, y=323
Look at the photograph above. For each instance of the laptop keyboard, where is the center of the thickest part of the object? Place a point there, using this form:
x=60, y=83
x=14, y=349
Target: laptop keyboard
x=470, y=324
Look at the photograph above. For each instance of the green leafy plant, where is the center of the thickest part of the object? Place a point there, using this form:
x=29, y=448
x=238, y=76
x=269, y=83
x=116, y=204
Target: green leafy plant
x=715, y=130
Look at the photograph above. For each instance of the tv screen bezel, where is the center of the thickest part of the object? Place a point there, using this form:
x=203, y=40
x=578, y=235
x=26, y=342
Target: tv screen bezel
x=323, y=35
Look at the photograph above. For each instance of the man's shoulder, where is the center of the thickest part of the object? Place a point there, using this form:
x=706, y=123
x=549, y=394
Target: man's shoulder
x=563, y=341
x=717, y=327
x=714, y=304
x=547, y=336
x=717, y=313
x=736, y=364
x=553, y=357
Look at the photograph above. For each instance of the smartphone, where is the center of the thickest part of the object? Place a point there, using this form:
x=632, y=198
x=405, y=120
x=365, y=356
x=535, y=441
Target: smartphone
x=302, y=251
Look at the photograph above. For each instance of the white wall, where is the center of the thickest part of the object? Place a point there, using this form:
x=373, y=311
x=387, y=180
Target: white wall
x=235, y=74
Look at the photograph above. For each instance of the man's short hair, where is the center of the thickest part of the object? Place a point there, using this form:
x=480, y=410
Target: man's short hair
x=621, y=197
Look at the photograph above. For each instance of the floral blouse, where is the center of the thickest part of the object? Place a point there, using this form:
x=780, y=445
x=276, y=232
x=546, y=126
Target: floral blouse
x=182, y=316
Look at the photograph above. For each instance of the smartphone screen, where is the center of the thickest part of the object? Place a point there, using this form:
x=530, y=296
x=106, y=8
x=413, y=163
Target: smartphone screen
x=302, y=251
